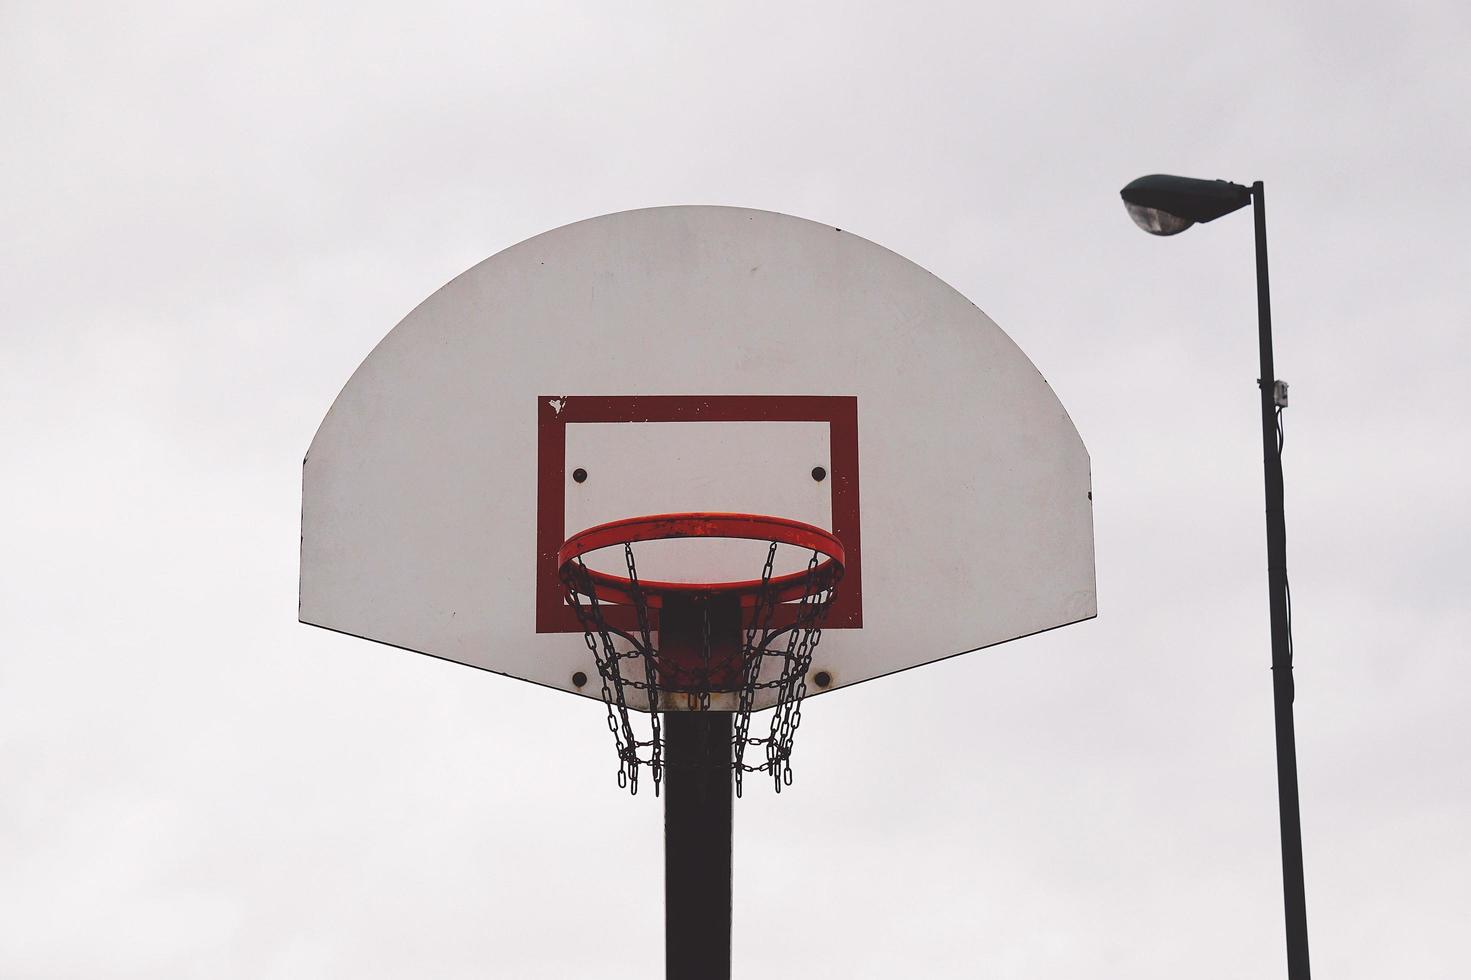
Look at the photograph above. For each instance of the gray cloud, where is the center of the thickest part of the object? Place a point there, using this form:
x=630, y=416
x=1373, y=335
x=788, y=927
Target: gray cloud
x=213, y=212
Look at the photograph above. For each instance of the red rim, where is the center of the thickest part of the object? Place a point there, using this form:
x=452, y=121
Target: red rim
x=618, y=589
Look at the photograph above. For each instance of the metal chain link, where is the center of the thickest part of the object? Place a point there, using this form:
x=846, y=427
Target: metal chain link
x=606, y=658
x=760, y=640
x=656, y=743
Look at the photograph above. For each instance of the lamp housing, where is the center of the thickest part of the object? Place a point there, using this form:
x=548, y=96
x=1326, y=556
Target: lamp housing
x=1163, y=204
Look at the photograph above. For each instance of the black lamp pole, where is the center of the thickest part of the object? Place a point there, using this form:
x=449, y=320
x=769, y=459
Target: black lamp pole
x=1166, y=205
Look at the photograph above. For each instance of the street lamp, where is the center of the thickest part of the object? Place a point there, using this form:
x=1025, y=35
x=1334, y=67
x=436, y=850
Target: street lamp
x=1165, y=205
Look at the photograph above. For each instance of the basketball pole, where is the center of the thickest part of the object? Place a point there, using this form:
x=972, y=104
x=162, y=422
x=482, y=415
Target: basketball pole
x=698, y=790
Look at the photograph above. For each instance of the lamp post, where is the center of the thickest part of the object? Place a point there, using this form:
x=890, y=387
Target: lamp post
x=1167, y=205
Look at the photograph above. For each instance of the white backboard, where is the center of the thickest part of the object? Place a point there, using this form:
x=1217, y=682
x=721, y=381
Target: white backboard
x=695, y=359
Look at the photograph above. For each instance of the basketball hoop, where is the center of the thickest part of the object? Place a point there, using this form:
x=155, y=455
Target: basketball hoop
x=729, y=639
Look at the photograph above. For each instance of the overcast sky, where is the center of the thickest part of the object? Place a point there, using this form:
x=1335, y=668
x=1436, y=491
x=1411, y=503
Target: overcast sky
x=210, y=215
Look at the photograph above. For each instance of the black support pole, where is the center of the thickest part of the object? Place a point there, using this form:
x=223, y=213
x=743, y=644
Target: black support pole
x=1293, y=888
x=698, y=786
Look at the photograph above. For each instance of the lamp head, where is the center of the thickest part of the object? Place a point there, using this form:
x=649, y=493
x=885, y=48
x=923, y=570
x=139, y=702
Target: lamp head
x=1162, y=204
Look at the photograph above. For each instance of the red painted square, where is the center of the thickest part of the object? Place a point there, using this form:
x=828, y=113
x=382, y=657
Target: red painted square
x=840, y=412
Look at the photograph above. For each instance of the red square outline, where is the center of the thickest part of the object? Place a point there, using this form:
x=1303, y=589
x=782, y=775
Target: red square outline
x=553, y=615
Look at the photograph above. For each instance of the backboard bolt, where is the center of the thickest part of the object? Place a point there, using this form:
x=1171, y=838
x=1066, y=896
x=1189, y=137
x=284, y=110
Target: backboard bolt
x=579, y=679
x=822, y=678
x=580, y=475
x=819, y=474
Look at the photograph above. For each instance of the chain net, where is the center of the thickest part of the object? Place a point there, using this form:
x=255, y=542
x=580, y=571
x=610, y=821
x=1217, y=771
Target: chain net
x=775, y=647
